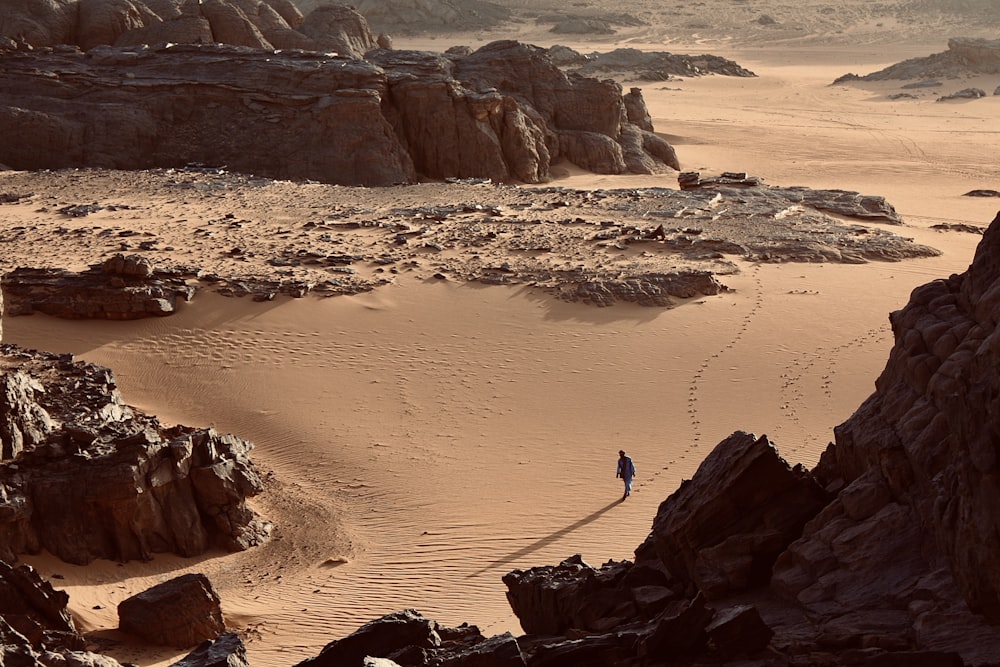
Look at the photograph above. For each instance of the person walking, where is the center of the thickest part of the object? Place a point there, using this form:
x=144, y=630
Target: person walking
x=626, y=470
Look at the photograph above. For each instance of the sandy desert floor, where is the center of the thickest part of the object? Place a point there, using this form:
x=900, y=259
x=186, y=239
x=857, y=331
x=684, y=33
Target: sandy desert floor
x=426, y=438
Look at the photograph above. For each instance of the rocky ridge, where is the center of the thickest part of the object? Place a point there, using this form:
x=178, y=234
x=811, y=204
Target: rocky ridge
x=966, y=57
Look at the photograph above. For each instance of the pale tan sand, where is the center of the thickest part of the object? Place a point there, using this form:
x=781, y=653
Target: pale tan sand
x=429, y=437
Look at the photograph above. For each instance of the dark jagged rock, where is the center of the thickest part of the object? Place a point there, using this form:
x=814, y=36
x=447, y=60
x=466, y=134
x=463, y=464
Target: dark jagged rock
x=227, y=650
x=105, y=481
x=32, y=608
x=503, y=112
x=181, y=612
x=721, y=531
x=121, y=288
x=409, y=638
x=926, y=434
x=36, y=627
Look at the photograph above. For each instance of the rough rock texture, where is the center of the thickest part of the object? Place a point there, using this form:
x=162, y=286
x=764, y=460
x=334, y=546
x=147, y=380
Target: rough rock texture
x=36, y=628
x=227, y=650
x=721, y=532
x=927, y=438
x=964, y=57
x=121, y=288
x=840, y=202
x=646, y=65
x=182, y=612
x=261, y=24
x=407, y=637
x=96, y=479
x=503, y=112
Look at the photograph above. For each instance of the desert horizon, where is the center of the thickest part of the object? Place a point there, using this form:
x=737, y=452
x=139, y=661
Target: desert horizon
x=421, y=440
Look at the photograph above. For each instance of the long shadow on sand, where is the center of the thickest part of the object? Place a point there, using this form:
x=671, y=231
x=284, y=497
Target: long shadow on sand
x=545, y=541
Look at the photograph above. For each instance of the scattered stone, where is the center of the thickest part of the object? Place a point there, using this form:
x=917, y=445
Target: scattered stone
x=964, y=94
x=982, y=193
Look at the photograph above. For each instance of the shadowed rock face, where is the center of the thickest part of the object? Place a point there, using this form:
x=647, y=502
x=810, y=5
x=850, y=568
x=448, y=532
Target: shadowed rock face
x=504, y=112
x=929, y=434
x=95, y=479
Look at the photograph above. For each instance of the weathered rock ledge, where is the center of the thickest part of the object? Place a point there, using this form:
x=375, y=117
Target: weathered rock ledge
x=85, y=476
x=573, y=244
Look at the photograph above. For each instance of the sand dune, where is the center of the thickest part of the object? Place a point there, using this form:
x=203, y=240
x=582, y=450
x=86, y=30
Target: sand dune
x=428, y=437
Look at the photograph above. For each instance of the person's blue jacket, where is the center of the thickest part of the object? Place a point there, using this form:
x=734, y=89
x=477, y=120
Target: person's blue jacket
x=626, y=469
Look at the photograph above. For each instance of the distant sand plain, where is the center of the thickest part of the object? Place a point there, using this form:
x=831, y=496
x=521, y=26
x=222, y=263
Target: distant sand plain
x=424, y=439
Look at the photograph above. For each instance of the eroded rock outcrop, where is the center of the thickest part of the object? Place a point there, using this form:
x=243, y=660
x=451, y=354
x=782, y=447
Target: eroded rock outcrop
x=261, y=24
x=121, y=288
x=97, y=479
x=965, y=57
x=503, y=112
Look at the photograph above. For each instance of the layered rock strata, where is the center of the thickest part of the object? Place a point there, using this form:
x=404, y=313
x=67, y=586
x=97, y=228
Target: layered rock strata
x=503, y=112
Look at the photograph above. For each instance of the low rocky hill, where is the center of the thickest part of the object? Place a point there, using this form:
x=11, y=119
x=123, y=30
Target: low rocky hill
x=965, y=57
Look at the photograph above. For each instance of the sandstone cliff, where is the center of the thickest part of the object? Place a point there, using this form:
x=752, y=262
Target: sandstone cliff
x=504, y=112
x=262, y=24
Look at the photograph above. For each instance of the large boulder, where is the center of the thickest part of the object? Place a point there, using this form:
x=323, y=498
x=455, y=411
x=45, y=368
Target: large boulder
x=181, y=612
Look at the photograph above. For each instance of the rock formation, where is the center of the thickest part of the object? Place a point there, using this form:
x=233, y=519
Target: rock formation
x=36, y=628
x=92, y=478
x=964, y=57
x=646, y=65
x=503, y=112
x=121, y=288
x=181, y=612
x=262, y=24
